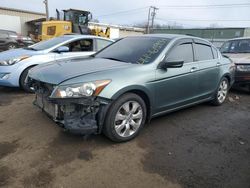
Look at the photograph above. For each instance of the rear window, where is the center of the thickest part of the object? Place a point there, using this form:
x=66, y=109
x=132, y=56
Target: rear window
x=236, y=46
x=203, y=52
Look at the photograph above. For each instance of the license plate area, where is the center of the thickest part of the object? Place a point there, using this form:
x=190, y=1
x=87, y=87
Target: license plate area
x=50, y=108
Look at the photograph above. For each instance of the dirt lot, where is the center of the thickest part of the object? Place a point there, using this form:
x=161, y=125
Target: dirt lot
x=203, y=146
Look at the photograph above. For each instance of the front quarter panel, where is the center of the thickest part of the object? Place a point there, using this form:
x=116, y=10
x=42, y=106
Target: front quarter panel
x=135, y=77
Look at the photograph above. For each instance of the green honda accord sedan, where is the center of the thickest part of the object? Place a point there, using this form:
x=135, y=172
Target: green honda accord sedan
x=122, y=87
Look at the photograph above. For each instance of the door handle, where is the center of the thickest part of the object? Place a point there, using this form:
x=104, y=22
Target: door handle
x=218, y=64
x=193, y=69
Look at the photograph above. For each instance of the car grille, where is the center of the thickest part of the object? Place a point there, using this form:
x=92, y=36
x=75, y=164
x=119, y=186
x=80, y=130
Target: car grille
x=42, y=88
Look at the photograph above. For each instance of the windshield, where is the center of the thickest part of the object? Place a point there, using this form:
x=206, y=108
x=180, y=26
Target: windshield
x=80, y=18
x=236, y=46
x=136, y=50
x=44, y=45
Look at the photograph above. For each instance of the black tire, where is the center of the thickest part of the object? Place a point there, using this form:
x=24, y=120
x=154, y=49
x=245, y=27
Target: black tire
x=216, y=101
x=22, y=83
x=11, y=46
x=109, y=126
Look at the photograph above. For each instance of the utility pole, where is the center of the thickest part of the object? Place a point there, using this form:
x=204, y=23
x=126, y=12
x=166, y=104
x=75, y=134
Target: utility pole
x=47, y=9
x=151, y=16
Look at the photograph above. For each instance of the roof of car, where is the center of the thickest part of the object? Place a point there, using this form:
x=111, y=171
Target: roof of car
x=170, y=36
x=240, y=38
x=76, y=36
x=177, y=36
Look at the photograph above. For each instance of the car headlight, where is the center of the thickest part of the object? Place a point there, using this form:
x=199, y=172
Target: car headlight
x=243, y=68
x=13, y=61
x=80, y=90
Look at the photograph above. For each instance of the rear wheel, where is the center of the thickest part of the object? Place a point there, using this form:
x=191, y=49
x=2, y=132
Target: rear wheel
x=23, y=77
x=125, y=118
x=221, y=93
x=11, y=46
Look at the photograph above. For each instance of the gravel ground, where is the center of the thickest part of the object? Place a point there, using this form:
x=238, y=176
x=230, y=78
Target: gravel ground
x=202, y=146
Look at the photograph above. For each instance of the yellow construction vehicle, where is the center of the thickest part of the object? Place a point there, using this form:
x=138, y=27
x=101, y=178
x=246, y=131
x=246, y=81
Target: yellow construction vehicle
x=74, y=21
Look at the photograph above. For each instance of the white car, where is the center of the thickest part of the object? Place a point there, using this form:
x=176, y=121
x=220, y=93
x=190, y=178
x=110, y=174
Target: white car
x=15, y=64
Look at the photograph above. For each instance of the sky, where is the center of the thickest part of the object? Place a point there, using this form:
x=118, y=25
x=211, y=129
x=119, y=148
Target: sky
x=188, y=13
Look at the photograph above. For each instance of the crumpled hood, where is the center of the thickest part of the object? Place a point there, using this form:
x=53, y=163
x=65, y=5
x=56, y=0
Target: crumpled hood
x=60, y=71
x=240, y=58
x=15, y=53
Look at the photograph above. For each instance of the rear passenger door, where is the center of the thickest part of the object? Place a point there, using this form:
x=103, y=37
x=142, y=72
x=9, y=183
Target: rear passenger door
x=209, y=69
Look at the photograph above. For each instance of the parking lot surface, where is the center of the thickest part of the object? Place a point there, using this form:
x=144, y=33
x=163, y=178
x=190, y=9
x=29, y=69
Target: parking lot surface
x=202, y=146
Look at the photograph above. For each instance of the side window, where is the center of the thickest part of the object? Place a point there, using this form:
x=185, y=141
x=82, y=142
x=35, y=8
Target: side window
x=182, y=52
x=215, y=52
x=83, y=45
x=203, y=52
x=102, y=44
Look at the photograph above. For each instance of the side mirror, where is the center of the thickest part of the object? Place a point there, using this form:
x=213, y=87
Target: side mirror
x=62, y=49
x=171, y=64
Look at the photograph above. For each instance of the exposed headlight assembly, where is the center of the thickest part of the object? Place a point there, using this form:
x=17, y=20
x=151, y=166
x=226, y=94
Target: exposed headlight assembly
x=80, y=90
x=13, y=61
x=243, y=68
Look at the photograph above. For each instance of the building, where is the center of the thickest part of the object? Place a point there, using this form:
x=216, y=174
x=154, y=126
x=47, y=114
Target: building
x=215, y=35
x=16, y=20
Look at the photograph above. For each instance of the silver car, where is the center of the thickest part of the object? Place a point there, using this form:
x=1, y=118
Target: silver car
x=15, y=64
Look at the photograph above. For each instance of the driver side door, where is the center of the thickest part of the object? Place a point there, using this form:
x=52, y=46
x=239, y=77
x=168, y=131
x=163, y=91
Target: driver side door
x=177, y=87
x=79, y=48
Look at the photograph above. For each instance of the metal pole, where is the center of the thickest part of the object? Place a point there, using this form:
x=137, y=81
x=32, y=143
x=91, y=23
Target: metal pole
x=153, y=16
x=47, y=9
x=149, y=14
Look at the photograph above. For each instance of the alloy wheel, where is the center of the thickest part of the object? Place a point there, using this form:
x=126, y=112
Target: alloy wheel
x=12, y=46
x=222, y=92
x=128, y=119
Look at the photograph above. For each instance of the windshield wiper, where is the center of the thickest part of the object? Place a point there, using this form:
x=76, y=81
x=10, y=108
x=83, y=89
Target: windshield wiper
x=111, y=58
x=30, y=48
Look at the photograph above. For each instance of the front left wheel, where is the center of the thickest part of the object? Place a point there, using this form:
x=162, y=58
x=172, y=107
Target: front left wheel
x=125, y=118
x=22, y=83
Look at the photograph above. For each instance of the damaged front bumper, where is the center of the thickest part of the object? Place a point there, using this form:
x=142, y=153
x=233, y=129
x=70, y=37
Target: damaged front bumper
x=79, y=116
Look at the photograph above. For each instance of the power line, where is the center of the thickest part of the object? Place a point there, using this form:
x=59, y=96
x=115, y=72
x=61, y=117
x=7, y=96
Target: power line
x=206, y=6
x=202, y=20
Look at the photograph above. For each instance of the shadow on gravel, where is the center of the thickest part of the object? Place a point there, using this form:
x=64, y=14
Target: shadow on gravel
x=5, y=175
x=7, y=148
x=64, y=149
x=202, y=146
